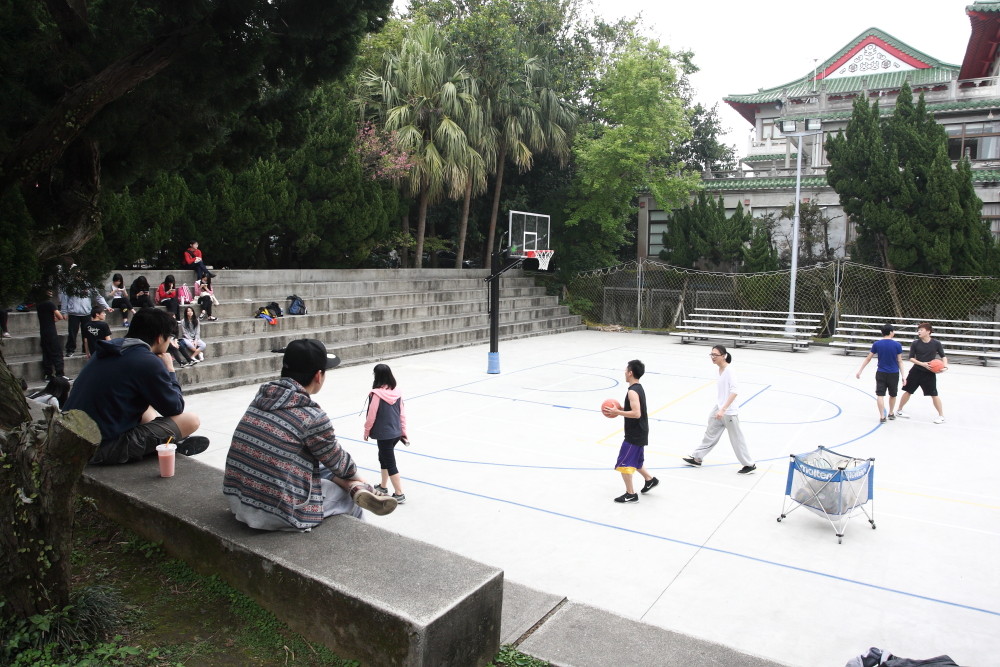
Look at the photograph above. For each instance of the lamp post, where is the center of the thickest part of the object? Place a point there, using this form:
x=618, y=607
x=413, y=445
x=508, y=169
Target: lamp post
x=789, y=128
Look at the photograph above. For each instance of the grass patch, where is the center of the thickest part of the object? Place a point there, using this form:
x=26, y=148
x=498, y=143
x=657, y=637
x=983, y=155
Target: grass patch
x=135, y=606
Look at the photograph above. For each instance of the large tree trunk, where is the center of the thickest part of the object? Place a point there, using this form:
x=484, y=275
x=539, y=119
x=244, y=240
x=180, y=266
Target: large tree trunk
x=418, y=261
x=497, y=186
x=40, y=463
x=66, y=200
x=463, y=225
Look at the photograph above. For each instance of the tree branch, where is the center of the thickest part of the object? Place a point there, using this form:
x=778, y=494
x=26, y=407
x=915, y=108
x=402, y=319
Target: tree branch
x=46, y=143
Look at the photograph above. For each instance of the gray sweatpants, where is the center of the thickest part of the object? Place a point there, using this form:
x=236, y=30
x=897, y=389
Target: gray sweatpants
x=714, y=431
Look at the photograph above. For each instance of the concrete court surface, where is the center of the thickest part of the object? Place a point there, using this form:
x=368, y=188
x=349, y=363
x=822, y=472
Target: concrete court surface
x=516, y=470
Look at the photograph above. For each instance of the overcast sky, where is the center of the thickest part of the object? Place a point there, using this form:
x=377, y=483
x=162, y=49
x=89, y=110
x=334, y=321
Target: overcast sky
x=741, y=46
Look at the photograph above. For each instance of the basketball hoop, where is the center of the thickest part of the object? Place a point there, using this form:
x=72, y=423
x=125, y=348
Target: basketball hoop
x=543, y=257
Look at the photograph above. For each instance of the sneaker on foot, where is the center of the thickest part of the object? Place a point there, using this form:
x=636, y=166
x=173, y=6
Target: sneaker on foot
x=124, y=323
x=201, y=316
x=212, y=318
x=400, y=498
x=627, y=498
x=649, y=485
x=746, y=470
x=882, y=420
x=381, y=490
x=192, y=445
x=939, y=420
x=6, y=334
x=379, y=505
x=899, y=413
x=691, y=461
x=892, y=416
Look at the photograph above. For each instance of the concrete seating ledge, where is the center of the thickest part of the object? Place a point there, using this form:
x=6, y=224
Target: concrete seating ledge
x=365, y=592
x=375, y=596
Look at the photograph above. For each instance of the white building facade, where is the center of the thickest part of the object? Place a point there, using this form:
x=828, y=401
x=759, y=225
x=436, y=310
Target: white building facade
x=964, y=98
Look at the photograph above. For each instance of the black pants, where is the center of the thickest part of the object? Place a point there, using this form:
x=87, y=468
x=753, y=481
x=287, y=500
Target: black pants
x=122, y=304
x=179, y=354
x=206, y=305
x=387, y=456
x=172, y=306
x=76, y=323
x=52, y=358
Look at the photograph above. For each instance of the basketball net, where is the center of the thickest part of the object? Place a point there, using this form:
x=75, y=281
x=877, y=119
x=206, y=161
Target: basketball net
x=543, y=257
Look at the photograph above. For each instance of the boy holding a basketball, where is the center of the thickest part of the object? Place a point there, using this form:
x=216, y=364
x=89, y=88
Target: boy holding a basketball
x=927, y=356
x=631, y=457
x=890, y=360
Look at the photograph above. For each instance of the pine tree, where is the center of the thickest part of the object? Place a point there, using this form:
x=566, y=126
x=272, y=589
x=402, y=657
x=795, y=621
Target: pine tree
x=913, y=210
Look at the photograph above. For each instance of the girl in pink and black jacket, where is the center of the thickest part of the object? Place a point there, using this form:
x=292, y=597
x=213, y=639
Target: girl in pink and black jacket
x=386, y=422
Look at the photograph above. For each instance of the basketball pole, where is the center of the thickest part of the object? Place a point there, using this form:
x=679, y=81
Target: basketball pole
x=497, y=269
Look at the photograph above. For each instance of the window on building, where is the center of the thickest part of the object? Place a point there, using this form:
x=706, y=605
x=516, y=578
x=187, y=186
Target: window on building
x=991, y=215
x=658, y=221
x=977, y=141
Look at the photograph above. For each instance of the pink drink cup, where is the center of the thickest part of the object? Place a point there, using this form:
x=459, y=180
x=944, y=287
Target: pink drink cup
x=165, y=453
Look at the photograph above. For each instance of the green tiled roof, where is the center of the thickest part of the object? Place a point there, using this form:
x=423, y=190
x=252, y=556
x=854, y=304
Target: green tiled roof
x=887, y=110
x=788, y=182
x=985, y=175
x=768, y=156
x=938, y=72
x=984, y=7
x=776, y=183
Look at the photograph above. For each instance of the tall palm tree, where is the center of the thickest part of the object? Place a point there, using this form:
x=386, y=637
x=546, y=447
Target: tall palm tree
x=526, y=117
x=429, y=100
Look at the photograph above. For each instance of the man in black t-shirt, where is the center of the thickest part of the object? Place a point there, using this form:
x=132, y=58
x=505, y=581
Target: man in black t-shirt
x=95, y=330
x=922, y=351
x=631, y=457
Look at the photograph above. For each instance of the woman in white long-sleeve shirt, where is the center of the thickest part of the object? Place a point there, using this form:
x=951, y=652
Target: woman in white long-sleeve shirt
x=725, y=416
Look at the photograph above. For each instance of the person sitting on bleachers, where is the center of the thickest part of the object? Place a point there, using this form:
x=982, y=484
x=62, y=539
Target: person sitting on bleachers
x=166, y=296
x=139, y=293
x=190, y=335
x=118, y=298
x=206, y=298
x=55, y=392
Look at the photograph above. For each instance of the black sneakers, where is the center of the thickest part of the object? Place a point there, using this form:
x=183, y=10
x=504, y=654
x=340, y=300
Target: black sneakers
x=746, y=470
x=627, y=498
x=192, y=445
x=691, y=461
x=649, y=485
x=400, y=498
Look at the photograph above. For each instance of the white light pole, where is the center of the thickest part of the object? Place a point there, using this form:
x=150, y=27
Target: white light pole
x=789, y=129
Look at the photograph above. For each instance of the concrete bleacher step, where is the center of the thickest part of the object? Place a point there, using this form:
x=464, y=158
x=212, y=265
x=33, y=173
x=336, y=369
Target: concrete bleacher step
x=365, y=315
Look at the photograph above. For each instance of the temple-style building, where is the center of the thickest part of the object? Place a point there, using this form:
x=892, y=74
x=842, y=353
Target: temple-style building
x=964, y=98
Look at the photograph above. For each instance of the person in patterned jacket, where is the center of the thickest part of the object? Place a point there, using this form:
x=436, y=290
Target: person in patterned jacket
x=285, y=469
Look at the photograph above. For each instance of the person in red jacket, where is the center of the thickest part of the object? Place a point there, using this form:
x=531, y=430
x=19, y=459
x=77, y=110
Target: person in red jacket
x=166, y=296
x=194, y=259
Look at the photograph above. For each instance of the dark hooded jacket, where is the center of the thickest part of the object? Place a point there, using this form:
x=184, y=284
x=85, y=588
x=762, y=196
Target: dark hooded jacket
x=120, y=382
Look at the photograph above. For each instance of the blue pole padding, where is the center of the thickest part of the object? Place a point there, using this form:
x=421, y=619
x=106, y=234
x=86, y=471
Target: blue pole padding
x=494, y=363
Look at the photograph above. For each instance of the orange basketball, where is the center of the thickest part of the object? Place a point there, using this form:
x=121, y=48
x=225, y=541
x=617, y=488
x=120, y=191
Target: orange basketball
x=610, y=403
x=936, y=365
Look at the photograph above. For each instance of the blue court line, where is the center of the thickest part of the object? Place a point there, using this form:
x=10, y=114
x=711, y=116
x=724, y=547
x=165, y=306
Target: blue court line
x=724, y=552
x=755, y=395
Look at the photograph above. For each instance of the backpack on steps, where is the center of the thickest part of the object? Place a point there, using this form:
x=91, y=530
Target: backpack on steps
x=296, y=306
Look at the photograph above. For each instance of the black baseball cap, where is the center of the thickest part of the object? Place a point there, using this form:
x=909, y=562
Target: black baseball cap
x=307, y=356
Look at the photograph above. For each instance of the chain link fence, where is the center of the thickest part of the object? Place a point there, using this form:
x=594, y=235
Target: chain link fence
x=651, y=295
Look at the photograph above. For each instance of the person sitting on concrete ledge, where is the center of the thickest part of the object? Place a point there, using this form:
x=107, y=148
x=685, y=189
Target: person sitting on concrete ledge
x=130, y=389
x=285, y=469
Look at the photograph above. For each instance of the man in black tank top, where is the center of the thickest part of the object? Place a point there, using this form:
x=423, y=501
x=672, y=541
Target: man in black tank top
x=631, y=457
